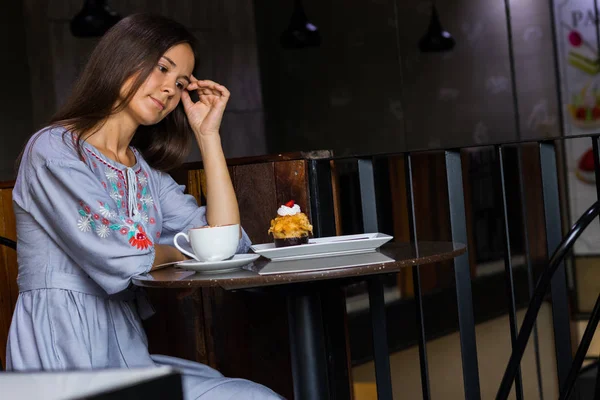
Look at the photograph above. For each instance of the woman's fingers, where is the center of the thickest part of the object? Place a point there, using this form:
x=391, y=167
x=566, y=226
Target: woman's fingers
x=208, y=87
x=186, y=100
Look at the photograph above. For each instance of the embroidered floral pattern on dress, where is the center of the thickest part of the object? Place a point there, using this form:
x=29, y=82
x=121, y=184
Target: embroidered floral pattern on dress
x=144, y=200
x=139, y=239
x=111, y=175
x=103, y=231
x=116, y=191
x=100, y=223
x=144, y=197
x=89, y=221
x=115, y=183
x=142, y=180
x=106, y=212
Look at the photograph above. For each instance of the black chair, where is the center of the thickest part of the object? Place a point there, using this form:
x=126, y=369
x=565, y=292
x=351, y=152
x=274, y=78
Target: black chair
x=13, y=245
x=8, y=243
x=533, y=309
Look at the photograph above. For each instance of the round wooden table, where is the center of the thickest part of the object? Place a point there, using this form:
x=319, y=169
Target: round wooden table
x=307, y=345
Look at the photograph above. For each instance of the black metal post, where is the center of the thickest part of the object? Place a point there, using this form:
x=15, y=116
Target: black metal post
x=559, y=311
x=466, y=321
x=383, y=375
x=333, y=307
x=410, y=200
x=530, y=279
x=376, y=297
x=558, y=287
x=321, y=198
x=368, y=196
x=307, y=347
x=510, y=284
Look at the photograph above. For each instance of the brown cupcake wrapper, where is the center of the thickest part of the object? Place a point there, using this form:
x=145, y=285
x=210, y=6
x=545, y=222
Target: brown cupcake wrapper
x=294, y=241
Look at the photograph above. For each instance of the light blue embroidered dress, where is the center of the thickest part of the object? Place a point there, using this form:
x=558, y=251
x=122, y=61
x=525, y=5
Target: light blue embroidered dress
x=84, y=229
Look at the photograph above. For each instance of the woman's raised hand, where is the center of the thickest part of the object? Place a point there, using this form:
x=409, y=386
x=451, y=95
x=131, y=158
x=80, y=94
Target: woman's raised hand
x=206, y=114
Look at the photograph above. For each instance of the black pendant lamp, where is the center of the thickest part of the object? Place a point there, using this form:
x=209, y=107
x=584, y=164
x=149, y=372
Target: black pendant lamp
x=436, y=39
x=300, y=33
x=94, y=19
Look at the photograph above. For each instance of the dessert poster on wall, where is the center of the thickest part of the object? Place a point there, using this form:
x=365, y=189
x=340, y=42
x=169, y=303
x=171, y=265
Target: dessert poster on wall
x=579, y=71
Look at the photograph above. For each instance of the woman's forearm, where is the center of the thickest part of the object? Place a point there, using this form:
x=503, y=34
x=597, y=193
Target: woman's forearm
x=221, y=202
x=164, y=254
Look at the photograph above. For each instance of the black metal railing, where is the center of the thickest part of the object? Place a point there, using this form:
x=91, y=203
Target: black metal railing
x=8, y=242
x=416, y=272
x=535, y=304
x=554, y=272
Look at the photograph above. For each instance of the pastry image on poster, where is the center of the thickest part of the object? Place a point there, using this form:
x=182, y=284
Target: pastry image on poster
x=585, y=168
x=584, y=107
x=584, y=102
x=582, y=54
x=579, y=84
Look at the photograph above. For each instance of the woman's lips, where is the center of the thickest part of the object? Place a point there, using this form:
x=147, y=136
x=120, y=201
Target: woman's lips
x=159, y=104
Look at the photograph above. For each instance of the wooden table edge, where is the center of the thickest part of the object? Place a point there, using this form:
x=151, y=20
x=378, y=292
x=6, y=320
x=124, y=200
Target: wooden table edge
x=253, y=280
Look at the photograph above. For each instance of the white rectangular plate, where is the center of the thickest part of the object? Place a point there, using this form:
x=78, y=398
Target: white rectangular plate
x=324, y=247
x=324, y=263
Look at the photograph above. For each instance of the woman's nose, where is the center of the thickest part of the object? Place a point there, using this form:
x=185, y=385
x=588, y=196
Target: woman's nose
x=169, y=87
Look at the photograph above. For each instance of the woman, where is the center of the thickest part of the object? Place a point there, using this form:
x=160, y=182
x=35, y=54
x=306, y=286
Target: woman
x=94, y=206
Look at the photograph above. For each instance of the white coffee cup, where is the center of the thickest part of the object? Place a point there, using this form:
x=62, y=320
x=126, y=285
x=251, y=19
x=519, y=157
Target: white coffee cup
x=211, y=243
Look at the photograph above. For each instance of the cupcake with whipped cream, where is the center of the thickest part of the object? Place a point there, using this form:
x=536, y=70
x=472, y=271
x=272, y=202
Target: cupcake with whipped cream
x=291, y=227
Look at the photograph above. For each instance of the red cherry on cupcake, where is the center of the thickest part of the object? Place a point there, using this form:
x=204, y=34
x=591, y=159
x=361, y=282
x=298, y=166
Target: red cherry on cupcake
x=290, y=203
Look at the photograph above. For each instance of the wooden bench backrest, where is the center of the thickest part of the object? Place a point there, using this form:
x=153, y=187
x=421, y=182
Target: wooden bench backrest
x=8, y=266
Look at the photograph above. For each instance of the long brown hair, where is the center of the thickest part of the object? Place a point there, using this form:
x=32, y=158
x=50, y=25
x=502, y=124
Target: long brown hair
x=132, y=47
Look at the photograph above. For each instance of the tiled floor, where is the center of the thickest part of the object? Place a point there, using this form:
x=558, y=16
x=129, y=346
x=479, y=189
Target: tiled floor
x=493, y=347
x=587, y=272
x=588, y=286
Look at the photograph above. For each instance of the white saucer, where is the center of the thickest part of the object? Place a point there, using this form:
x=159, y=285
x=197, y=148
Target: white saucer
x=235, y=262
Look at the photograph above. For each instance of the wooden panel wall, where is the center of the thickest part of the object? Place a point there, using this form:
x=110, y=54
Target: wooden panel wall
x=245, y=333
x=536, y=223
x=8, y=267
x=431, y=212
